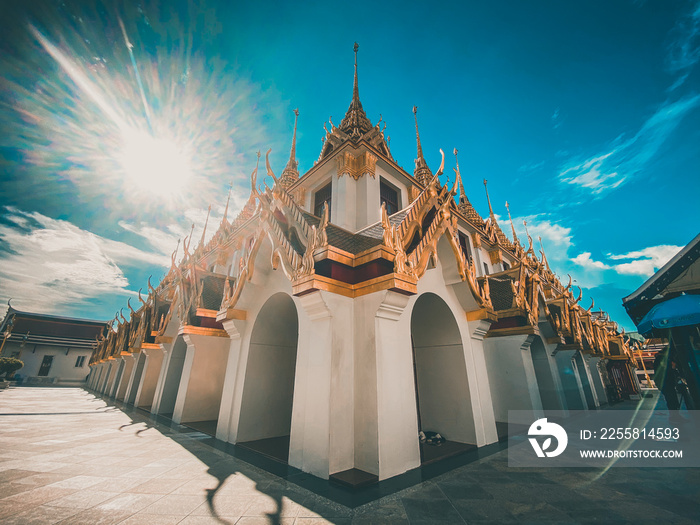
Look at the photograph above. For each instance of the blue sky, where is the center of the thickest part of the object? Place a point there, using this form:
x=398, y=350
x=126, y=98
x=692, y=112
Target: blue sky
x=584, y=116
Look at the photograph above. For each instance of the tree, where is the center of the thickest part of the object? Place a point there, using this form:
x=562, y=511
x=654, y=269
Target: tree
x=9, y=365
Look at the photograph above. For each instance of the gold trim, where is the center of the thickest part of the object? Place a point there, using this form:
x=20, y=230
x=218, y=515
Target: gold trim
x=198, y=330
x=516, y=330
x=204, y=312
x=231, y=313
x=150, y=346
x=481, y=314
x=393, y=281
x=164, y=339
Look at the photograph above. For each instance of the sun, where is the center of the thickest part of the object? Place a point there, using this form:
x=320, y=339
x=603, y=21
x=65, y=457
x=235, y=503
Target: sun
x=154, y=164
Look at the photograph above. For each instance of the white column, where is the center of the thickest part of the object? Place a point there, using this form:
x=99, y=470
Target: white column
x=322, y=433
x=234, y=328
x=397, y=420
x=479, y=383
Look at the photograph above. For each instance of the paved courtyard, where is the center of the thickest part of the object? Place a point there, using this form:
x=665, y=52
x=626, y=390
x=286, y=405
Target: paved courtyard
x=69, y=457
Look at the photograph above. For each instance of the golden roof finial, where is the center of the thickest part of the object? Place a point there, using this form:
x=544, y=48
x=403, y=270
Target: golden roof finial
x=355, y=123
x=515, y=235
x=544, y=257
x=488, y=199
x=355, y=87
x=529, y=239
x=421, y=172
x=462, y=195
x=204, y=231
x=418, y=146
x=291, y=172
x=228, y=199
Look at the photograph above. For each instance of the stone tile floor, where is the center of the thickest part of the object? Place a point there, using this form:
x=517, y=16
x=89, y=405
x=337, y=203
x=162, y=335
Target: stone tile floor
x=68, y=457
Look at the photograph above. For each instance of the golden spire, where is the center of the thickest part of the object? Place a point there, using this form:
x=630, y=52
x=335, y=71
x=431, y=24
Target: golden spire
x=515, y=235
x=228, y=199
x=421, y=172
x=529, y=239
x=462, y=195
x=291, y=172
x=544, y=257
x=419, y=148
x=491, y=214
x=204, y=231
x=355, y=123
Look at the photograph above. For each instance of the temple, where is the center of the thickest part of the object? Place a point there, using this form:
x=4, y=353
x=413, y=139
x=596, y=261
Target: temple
x=345, y=310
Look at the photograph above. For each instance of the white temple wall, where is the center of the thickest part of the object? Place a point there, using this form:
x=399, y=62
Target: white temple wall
x=547, y=376
x=586, y=380
x=109, y=369
x=202, y=380
x=117, y=378
x=149, y=377
x=570, y=381
x=113, y=372
x=165, y=349
x=135, y=380
x=129, y=361
x=172, y=370
x=597, y=380
x=512, y=375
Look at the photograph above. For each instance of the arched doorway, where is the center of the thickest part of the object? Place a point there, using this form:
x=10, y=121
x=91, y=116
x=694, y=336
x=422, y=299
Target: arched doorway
x=443, y=398
x=268, y=391
x=172, y=378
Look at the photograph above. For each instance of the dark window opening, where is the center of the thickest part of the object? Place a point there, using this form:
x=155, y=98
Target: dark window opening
x=80, y=361
x=464, y=244
x=486, y=269
x=389, y=197
x=506, y=266
x=321, y=197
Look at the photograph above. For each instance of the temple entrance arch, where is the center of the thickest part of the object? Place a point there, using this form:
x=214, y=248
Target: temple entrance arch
x=268, y=389
x=443, y=398
x=173, y=374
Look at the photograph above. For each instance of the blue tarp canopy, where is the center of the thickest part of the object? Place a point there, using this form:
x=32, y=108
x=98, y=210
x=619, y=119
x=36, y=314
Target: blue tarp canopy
x=683, y=310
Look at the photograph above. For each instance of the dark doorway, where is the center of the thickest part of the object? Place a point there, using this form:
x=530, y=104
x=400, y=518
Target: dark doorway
x=45, y=366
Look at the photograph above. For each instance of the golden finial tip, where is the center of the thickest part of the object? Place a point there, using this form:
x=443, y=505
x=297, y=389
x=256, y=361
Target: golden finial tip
x=415, y=109
x=356, y=47
x=455, y=151
x=296, y=112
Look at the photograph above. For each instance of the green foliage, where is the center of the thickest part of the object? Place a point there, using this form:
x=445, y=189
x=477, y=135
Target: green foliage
x=9, y=365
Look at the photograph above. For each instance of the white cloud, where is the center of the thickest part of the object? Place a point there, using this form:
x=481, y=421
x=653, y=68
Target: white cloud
x=52, y=263
x=584, y=260
x=646, y=261
x=606, y=171
x=554, y=235
x=684, y=51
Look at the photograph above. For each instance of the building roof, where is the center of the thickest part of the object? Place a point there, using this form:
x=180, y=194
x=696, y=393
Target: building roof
x=656, y=288
x=34, y=328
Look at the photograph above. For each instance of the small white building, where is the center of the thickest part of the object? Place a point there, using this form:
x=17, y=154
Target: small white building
x=54, y=349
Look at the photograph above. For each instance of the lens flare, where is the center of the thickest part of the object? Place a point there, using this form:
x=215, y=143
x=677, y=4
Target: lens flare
x=154, y=164
x=131, y=109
